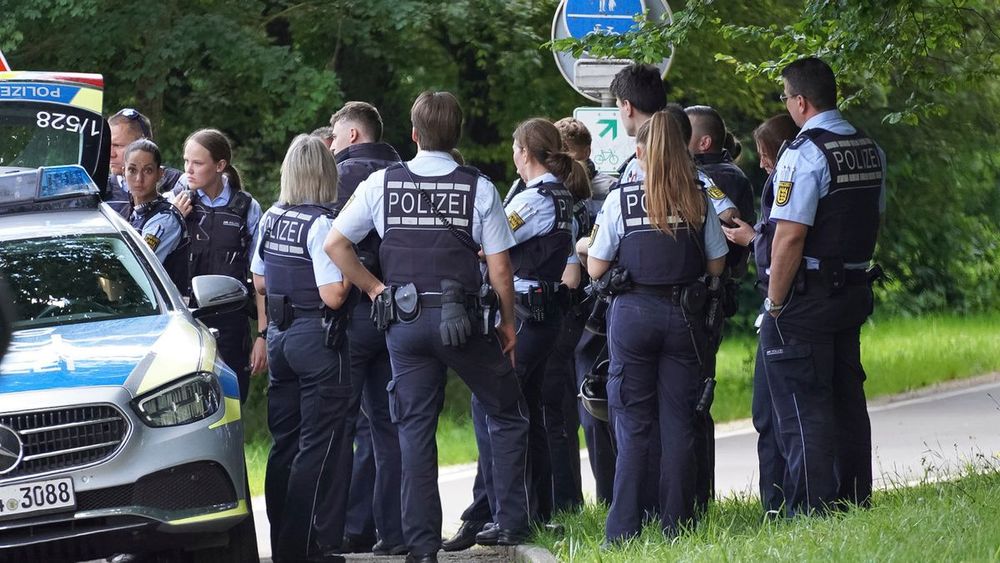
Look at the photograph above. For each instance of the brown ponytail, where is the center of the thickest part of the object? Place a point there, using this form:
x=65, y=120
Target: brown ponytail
x=544, y=143
x=219, y=147
x=670, y=186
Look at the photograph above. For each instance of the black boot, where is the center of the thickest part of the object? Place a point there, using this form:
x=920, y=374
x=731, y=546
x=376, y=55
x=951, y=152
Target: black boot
x=465, y=537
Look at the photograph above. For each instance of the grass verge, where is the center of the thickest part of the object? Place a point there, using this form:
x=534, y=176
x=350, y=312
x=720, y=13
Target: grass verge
x=955, y=520
x=899, y=354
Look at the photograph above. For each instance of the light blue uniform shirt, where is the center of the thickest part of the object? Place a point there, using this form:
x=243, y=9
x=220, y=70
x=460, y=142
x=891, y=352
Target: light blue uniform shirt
x=222, y=200
x=365, y=210
x=538, y=217
x=720, y=201
x=611, y=230
x=163, y=231
x=808, y=172
x=324, y=270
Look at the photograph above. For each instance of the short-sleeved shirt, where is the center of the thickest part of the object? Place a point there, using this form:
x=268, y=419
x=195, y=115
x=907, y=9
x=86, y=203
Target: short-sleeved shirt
x=222, y=200
x=324, y=269
x=535, y=216
x=807, y=170
x=163, y=233
x=610, y=229
x=365, y=210
x=720, y=201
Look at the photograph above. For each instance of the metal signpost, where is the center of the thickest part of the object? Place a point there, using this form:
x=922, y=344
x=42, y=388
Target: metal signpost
x=591, y=76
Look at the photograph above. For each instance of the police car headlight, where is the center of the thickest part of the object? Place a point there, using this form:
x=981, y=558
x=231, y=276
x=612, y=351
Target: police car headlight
x=180, y=402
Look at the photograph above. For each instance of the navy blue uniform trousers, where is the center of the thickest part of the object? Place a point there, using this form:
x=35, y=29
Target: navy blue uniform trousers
x=653, y=384
x=534, y=345
x=559, y=403
x=234, y=345
x=308, y=393
x=360, y=523
x=770, y=462
x=416, y=396
x=370, y=376
x=812, y=362
x=598, y=435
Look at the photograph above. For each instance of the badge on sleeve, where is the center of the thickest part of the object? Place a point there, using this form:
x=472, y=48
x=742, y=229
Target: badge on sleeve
x=715, y=193
x=783, y=193
x=151, y=240
x=515, y=221
x=593, y=235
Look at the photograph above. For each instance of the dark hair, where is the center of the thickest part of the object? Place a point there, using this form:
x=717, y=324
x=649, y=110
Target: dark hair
x=732, y=145
x=813, y=79
x=542, y=141
x=774, y=131
x=683, y=121
x=709, y=123
x=670, y=184
x=145, y=145
x=642, y=86
x=437, y=117
x=138, y=123
x=219, y=148
x=575, y=134
x=457, y=156
x=365, y=115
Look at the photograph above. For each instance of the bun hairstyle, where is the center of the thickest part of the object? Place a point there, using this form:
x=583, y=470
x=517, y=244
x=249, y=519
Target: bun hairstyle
x=544, y=144
x=732, y=146
x=671, y=189
x=219, y=147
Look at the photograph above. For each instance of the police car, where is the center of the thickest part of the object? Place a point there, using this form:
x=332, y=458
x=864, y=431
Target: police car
x=120, y=425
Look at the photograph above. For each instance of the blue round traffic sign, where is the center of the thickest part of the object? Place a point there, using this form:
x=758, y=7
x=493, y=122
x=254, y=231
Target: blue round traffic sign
x=601, y=16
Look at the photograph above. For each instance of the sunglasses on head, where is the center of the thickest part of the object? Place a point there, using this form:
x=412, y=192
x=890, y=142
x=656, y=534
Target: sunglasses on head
x=134, y=115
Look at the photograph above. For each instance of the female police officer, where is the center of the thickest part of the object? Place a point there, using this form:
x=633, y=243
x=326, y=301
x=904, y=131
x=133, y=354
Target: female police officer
x=310, y=383
x=159, y=222
x=665, y=234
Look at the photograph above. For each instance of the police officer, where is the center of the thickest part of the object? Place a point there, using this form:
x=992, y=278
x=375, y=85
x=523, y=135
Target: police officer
x=577, y=140
x=769, y=136
x=665, y=235
x=828, y=196
x=434, y=216
x=309, y=386
x=355, y=136
x=159, y=222
x=222, y=219
x=127, y=126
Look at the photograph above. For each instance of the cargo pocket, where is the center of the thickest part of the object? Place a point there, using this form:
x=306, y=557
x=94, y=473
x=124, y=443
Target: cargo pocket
x=790, y=366
x=614, y=388
x=393, y=406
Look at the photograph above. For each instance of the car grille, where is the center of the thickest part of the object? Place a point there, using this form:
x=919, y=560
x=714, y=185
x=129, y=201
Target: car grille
x=61, y=439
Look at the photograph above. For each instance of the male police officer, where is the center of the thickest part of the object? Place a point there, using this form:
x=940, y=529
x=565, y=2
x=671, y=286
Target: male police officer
x=355, y=137
x=127, y=126
x=433, y=215
x=829, y=193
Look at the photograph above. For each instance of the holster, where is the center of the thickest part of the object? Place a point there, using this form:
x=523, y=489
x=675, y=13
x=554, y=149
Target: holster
x=279, y=311
x=485, y=313
x=407, y=302
x=831, y=270
x=694, y=296
x=383, y=312
x=335, y=326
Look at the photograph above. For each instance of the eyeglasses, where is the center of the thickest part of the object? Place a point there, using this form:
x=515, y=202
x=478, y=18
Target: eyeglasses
x=134, y=115
x=784, y=97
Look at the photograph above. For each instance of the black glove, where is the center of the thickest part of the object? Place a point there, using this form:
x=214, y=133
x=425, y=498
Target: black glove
x=455, y=324
x=383, y=311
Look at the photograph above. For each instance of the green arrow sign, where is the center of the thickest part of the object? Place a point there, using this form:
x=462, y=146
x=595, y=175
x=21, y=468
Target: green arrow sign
x=609, y=125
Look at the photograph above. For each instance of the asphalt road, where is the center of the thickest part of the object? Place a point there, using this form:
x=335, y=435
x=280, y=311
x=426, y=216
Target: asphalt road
x=928, y=434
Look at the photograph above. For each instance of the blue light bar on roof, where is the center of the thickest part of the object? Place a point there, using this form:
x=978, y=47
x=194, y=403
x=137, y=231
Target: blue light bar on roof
x=60, y=181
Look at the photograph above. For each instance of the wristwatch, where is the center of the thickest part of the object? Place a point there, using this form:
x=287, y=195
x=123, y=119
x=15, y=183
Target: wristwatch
x=771, y=306
x=262, y=333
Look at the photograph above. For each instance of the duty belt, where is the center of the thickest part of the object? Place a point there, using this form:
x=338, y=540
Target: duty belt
x=298, y=313
x=672, y=292
x=433, y=300
x=851, y=277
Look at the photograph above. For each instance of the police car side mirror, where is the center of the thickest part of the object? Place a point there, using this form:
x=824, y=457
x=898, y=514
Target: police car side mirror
x=217, y=294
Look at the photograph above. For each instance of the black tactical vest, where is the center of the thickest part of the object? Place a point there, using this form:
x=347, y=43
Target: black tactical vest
x=220, y=237
x=581, y=215
x=354, y=164
x=653, y=257
x=762, y=244
x=176, y=263
x=543, y=258
x=284, y=248
x=847, y=217
x=417, y=246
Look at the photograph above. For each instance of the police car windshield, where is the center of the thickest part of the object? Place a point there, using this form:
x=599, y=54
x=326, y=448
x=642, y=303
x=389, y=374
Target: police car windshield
x=75, y=279
x=33, y=135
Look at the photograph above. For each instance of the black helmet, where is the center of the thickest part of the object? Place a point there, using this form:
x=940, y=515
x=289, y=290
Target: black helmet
x=594, y=391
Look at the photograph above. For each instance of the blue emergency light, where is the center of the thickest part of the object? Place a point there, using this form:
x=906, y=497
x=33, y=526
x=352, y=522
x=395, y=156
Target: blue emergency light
x=23, y=189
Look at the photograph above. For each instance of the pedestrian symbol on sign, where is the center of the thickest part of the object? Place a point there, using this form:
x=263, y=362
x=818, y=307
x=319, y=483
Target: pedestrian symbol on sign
x=601, y=16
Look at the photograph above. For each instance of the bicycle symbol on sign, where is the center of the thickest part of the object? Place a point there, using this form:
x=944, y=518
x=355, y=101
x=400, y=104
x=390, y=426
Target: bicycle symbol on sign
x=606, y=156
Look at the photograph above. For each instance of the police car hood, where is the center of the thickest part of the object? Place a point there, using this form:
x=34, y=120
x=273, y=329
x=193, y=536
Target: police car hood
x=139, y=354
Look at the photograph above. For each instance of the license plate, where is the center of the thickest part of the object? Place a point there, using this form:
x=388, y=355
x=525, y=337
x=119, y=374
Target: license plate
x=18, y=501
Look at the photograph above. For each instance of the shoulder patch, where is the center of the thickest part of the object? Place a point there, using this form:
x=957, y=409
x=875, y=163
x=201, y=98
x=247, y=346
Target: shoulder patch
x=593, y=235
x=782, y=194
x=798, y=142
x=715, y=193
x=515, y=221
x=152, y=240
